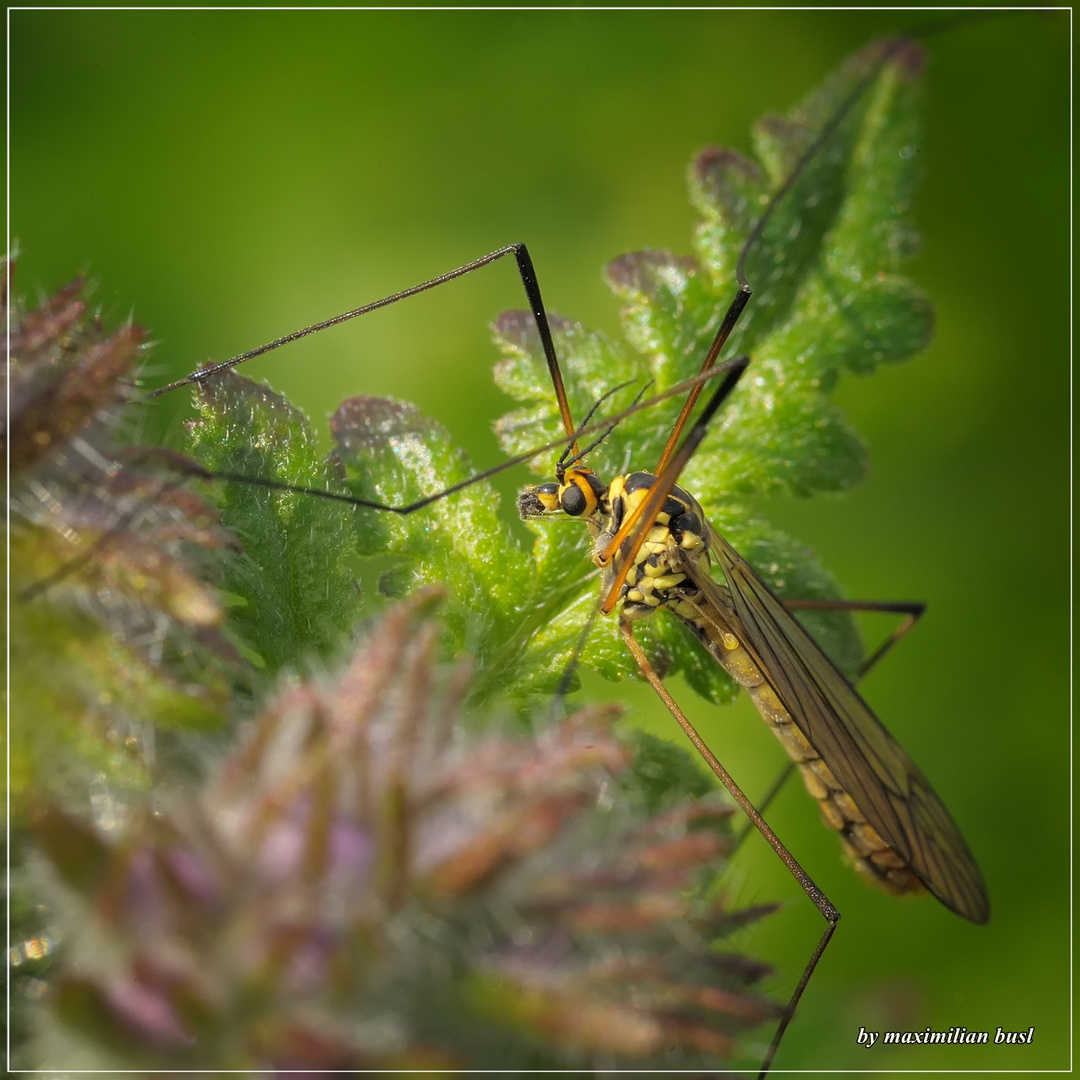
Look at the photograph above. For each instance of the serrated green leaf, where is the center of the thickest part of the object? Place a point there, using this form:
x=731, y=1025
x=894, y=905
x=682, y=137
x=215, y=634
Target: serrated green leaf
x=393, y=455
x=293, y=572
x=662, y=773
x=827, y=299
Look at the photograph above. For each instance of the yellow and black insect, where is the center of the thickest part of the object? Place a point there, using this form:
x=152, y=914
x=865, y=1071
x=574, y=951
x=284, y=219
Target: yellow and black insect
x=655, y=546
x=893, y=825
x=969, y=501
x=651, y=537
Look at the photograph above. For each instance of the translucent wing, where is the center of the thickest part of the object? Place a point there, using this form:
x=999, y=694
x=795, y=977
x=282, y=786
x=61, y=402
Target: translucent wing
x=886, y=785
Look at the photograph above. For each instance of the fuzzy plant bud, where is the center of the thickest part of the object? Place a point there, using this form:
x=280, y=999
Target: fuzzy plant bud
x=358, y=885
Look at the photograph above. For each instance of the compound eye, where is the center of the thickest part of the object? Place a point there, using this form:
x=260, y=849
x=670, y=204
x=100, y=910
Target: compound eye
x=573, y=501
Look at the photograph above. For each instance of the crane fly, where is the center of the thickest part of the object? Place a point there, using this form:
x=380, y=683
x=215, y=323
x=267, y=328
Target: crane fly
x=656, y=548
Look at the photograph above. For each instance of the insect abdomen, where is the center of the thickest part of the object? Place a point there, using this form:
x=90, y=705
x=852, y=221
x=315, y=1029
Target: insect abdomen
x=661, y=578
x=872, y=856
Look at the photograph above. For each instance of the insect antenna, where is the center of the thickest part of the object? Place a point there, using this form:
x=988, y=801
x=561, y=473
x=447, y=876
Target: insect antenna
x=563, y=463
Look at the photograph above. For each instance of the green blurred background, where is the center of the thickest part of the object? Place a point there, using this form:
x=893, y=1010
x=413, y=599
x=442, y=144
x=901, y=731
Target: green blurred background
x=228, y=177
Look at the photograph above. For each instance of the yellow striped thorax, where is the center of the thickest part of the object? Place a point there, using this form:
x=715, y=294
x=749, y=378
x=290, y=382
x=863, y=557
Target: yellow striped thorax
x=678, y=530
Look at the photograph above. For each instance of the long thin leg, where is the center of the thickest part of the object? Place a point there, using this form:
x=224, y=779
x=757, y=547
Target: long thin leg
x=631, y=534
x=186, y=467
x=828, y=911
x=913, y=609
x=528, y=281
